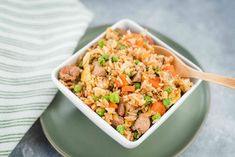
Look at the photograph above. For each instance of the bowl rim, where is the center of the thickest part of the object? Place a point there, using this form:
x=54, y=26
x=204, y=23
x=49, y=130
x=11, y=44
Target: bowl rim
x=97, y=119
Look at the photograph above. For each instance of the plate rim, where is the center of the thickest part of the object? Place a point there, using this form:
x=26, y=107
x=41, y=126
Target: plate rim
x=207, y=87
x=205, y=84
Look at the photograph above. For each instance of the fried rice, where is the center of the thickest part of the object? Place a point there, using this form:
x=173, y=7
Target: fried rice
x=126, y=81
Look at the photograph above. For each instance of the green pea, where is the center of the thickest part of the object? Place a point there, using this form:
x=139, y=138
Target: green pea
x=136, y=62
x=137, y=85
x=100, y=111
x=115, y=58
x=95, y=98
x=166, y=102
x=102, y=59
x=106, y=57
x=168, y=89
x=148, y=99
x=77, y=88
x=114, y=97
x=101, y=43
x=106, y=97
x=120, y=129
x=156, y=117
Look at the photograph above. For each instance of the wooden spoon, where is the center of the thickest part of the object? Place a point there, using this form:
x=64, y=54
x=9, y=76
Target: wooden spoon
x=186, y=71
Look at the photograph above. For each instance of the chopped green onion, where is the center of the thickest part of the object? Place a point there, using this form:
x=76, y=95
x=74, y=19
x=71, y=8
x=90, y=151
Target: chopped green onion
x=95, y=98
x=80, y=65
x=137, y=85
x=168, y=89
x=139, y=112
x=101, y=43
x=130, y=74
x=166, y=102
x=77, y=88
x=101, y=60
x=156, y=117
x=100, y=111
x=106, y=97
x=120, y=129
x=136, y=135
x=114, y=98
x=121, y=46
x=157, y=70
x=136, y=62
x=148, y=99
x=115, y=58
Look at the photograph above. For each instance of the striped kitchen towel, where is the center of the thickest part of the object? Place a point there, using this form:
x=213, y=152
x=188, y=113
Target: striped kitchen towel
x=35, y=36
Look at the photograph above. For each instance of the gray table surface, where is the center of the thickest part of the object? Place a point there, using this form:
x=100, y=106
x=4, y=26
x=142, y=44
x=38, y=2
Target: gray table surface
x=204, y=27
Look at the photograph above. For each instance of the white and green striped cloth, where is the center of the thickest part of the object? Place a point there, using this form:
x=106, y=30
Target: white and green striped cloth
x=35, y=36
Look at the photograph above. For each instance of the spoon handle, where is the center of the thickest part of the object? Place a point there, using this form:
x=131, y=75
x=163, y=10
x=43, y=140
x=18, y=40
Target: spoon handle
x=222, y=80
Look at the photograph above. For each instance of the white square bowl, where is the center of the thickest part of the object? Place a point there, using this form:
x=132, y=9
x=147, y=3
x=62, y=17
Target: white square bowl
x=102, y=124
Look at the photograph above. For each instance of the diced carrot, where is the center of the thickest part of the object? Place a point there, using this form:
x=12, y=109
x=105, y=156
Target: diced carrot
x=140, y=42
x=138, y=38
x=128, y=89
x=118, y=84
x=127, y=37
x=124, y=81
x=170, y=69
x=94, y=107
x=155, y=82
x=113, y=105
x=158, y=107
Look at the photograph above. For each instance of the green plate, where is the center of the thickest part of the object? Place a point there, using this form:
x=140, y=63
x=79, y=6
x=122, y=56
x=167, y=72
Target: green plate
x=72, y=134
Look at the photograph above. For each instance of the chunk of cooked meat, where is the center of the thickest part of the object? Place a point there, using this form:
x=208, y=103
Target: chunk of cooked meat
x=117, y=121
x=121, y=109
x=69, y=73
x=99, y=70
x=142, y=123
x=137, y=77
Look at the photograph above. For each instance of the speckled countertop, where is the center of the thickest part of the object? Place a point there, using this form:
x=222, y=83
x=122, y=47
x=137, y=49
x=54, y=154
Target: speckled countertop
x=204, y=27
